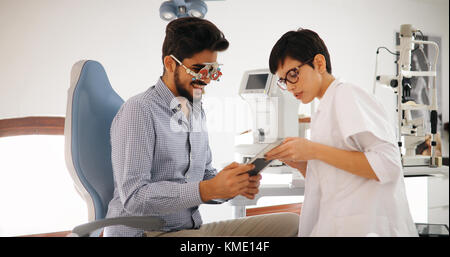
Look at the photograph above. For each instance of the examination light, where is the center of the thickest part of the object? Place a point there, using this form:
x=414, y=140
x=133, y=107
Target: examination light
x=198, y=9
x=167, y=11
x=173, y=9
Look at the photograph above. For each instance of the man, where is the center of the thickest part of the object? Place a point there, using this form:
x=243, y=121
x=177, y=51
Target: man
x=160, y=151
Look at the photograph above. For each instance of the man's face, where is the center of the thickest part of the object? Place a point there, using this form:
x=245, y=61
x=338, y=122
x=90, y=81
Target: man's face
x=184, y=84
x=307, y=86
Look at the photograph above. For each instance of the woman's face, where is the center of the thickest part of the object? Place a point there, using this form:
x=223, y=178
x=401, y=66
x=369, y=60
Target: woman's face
x=308, y=84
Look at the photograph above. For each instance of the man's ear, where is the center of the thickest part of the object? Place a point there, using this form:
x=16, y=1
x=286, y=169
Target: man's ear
x=320, y=63
x=169, y=64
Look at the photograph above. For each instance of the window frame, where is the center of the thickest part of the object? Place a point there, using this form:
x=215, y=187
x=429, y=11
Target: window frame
x=41, y=125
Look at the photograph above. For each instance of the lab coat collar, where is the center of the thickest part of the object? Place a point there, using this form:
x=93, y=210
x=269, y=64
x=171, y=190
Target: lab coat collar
x=328, y=95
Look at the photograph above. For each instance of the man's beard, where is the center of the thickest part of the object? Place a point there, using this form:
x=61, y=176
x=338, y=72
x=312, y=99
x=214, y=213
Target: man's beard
x=186, y=92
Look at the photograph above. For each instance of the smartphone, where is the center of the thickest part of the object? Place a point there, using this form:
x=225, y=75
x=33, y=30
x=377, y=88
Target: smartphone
x=259, y=161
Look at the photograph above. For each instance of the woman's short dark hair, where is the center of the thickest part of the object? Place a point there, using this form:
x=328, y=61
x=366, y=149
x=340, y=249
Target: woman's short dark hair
x=189, y=35
x=301, y=45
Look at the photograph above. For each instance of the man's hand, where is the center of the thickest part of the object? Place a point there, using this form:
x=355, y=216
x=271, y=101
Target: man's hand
x=228, y=183
x=252, y=188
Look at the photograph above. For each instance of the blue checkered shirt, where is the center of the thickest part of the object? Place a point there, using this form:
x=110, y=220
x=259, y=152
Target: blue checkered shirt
x=159, y=156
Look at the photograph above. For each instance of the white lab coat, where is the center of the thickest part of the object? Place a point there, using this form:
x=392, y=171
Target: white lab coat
x=338, y=203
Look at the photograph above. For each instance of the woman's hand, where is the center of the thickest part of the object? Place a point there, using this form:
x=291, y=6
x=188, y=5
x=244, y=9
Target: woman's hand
x=293, y=149
x=296, y=149
x=300, y=166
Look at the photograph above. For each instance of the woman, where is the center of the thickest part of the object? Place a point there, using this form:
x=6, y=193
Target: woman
x=352, y=167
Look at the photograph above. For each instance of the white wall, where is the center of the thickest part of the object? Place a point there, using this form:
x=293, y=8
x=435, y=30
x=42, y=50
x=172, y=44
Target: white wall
x=41, y=39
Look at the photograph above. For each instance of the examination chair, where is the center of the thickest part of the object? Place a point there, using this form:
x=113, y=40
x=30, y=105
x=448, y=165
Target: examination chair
x=91, y=106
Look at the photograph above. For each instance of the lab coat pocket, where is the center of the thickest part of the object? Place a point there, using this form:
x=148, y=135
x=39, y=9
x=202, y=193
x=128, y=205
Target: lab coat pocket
x=362, y=225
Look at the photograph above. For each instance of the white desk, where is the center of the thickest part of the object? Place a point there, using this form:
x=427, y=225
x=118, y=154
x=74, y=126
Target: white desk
x=436, y=188
x=297, y=187
x=425, y=171
x=240, y=202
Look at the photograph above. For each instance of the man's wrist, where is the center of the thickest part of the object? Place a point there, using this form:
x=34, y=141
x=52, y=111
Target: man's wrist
x=205, y=190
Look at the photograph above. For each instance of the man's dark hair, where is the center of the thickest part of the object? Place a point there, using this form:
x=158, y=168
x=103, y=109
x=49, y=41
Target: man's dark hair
x=301, y=45
x=189, y=35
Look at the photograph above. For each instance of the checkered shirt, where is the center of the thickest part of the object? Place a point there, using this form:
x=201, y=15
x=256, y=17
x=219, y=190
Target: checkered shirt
x=159, y=156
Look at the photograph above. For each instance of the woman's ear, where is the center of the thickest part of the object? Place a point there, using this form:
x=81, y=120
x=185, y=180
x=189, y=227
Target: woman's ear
x=169, y=64
x=320, y=63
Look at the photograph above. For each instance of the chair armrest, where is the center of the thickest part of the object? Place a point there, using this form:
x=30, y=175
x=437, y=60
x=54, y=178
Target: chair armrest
x=140, y=222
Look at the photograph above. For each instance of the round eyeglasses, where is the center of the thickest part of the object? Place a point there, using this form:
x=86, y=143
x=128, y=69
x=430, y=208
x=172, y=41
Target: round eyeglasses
x=292, y=76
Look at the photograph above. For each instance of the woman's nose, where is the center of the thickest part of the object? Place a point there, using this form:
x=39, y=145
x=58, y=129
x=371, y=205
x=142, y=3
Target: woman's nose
x=290, y=87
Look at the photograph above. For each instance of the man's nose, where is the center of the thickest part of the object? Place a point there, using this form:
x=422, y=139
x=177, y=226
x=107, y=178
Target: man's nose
x=206, y=81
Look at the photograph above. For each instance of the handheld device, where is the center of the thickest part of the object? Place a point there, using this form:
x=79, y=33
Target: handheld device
x=259, y=161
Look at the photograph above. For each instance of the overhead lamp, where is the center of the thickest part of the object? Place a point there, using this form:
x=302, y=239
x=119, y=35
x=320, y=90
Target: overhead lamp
x=197, y=9
x=167, y=11
x=173, y=9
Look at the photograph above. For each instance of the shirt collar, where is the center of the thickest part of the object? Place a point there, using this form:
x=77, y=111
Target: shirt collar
x=165, y=93
x=328, y=95
x=172, y=101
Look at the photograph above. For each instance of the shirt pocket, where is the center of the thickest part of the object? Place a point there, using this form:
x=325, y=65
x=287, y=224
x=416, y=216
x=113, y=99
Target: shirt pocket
x=171, y=157
x=198, y=154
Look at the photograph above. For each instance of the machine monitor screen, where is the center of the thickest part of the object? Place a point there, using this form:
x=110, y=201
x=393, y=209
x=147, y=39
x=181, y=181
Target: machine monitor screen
x=256, y=81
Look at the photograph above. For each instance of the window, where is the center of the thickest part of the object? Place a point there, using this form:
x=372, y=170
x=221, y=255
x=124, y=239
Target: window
x=37, y=194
